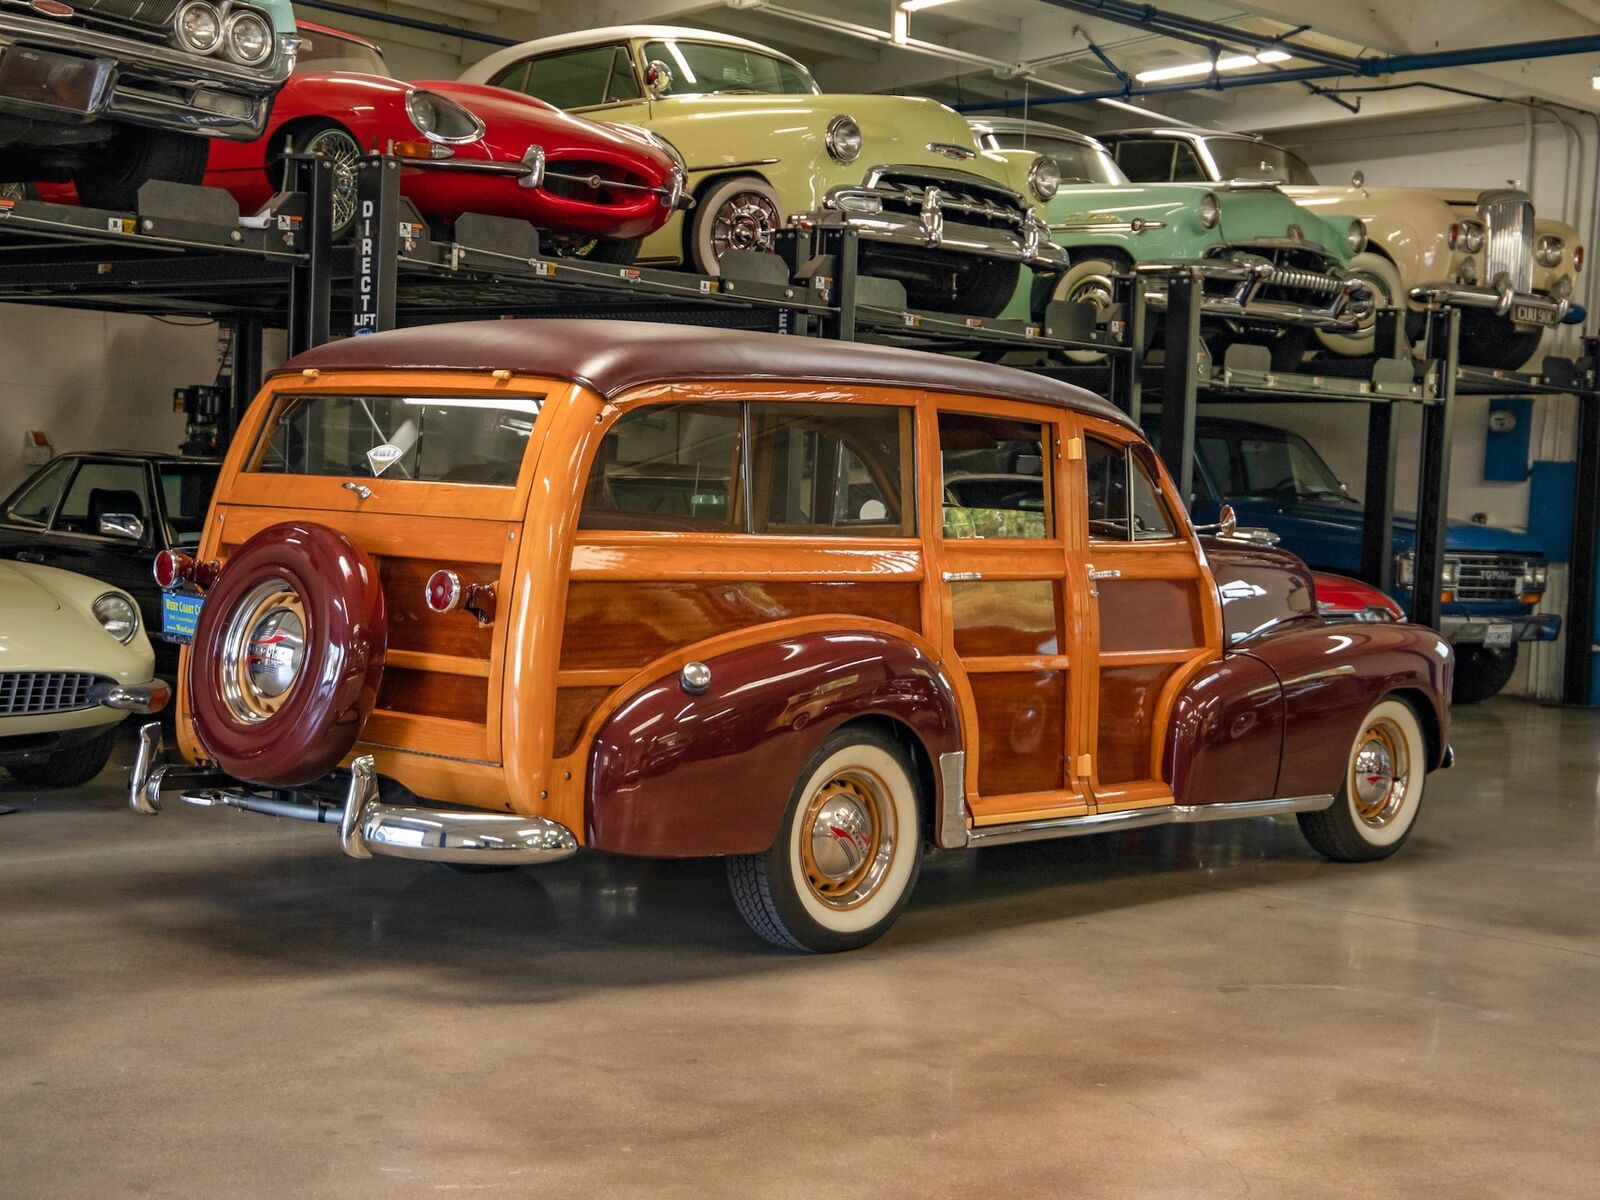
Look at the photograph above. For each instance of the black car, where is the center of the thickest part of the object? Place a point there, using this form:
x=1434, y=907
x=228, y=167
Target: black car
x=107, y=514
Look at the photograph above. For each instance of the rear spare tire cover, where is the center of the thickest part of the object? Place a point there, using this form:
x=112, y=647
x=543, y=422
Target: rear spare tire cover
x=288, y=654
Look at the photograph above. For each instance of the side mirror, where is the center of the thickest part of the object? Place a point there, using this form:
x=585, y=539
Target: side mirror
x=657, y=78
x=1227, y=521
x=122, y=525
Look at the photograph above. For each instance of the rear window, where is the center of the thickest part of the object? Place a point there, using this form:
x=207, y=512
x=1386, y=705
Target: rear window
x=429, y=439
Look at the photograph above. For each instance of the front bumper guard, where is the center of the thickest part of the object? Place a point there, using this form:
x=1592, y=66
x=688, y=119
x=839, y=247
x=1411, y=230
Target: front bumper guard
x=368, y=825
x=143, y=698
x=1504, y=301
x=1348, y=300
x=1532, y=627
x=937, y=225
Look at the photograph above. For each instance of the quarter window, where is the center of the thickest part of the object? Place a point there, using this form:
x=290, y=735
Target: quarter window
x=669, y=467
x=34, y=506
x=995, y=483
x=1124, y=502
x=98, y=489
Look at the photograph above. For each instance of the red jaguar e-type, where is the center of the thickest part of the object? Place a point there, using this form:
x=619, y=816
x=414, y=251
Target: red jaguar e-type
x=593, y=189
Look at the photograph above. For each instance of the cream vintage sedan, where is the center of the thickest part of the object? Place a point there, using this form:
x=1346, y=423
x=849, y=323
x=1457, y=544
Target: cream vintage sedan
x=761, y=143
x=74, y=661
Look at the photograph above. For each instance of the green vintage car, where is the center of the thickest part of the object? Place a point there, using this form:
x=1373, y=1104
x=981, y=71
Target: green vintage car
x=763, y=145
x=1274, y=272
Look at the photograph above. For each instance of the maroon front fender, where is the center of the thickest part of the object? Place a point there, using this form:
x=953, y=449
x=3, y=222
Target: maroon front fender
x=674, y=774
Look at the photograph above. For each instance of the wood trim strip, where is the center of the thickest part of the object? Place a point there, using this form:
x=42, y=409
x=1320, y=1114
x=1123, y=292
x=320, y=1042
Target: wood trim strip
x=445, y=664
x=677, y=557
x=1016, y=662
x=1147, y=658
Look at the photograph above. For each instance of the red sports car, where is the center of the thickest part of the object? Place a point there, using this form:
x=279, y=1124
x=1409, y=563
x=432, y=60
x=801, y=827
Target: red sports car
x=592, y=188
x=1340, y=598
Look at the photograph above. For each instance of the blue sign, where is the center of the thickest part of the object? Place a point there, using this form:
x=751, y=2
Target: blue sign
x=180, y=613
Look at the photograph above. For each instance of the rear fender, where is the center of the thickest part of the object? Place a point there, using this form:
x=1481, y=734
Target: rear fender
x=678, y=774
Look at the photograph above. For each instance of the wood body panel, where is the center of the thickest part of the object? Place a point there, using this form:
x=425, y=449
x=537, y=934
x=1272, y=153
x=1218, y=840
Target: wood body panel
x=1012, y=617
x=1022, y=721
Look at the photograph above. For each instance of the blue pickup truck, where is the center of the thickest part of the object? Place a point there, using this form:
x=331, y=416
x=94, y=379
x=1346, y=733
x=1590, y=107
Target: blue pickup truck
x=1493, y=578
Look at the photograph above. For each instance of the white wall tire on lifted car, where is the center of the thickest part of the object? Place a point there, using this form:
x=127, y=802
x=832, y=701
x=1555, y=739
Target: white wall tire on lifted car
x=1377, y=805
x=847, y=854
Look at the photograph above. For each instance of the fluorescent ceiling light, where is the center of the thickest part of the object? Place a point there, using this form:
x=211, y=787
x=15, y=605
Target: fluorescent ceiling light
x=919, y=5
x=1198, y=70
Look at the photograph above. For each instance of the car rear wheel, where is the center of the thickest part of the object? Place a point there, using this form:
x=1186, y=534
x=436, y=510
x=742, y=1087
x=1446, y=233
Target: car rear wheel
x=1376, y=808
x=1481, y=673
x=71, y=767
x=339, y=146
x=738, y=213
x=111, y=178
x=848, y=852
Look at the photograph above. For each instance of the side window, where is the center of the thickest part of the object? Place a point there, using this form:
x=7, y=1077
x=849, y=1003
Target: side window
x=995, y=480
x=1124, y=502
x=624, y=85
x=1150, y=516
x=668, y=467
x=837, y=470
x=100, y=488
x=36, y=504
x=1145, y=162
x=1186, y=166
x=577, y=79
x=513, y=78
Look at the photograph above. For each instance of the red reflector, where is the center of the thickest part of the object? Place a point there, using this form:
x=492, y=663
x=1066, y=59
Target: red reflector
x=443, y=591
x=172, y=568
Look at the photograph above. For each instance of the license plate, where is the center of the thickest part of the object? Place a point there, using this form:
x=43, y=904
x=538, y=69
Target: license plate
x=62, y=81
x=1498, y=636
x=180, y=613
x=1532, y=314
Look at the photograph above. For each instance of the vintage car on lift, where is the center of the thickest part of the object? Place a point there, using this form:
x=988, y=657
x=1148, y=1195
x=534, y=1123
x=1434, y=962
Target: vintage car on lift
x=110, y=95
x=810, y=607
x=1512, y=274
x=1274, y=273
x=74, y=661
x=762, y=144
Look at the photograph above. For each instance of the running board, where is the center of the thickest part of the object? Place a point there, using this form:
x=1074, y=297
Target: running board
x=1141, y=818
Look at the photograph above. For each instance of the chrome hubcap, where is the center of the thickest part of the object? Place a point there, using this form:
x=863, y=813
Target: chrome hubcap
x=1374, y=773
x=277, y=647
x=1092, y=289
x=1380, y=774
x=263, y=650
x=847, y=839
x=746, y=221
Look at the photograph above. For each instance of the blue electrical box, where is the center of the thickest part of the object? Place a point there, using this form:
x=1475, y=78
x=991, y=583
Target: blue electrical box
x=1505, y=449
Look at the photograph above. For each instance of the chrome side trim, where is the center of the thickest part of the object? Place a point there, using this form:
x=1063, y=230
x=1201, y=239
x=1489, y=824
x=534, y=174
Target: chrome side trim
x=1142, y=818
x=144, y=780
x=953, y=800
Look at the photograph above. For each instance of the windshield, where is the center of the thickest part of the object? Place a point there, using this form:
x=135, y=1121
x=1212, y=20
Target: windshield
x=186, y=494
x=1079, y=162
x=443, y=439
x=1283, y=464
x=324, y=53
x=702, y=68
x=1237, y=158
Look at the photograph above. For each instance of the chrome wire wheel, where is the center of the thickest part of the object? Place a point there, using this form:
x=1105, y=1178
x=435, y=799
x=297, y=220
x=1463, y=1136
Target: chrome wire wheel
x=13, y=191
x=847, y=839
x=745, y=221
x=1380, y=772
x=342, y=153
x=263, y=650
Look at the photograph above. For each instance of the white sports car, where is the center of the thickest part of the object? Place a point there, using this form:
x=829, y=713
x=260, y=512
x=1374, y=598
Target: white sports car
x=73, y=662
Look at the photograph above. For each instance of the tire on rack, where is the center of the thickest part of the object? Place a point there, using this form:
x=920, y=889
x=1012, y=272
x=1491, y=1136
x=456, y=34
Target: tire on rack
x=739, y=212
x=1481, y=673
x=847, y=854
x=342, y=149
x=619, y=251
x=71, y=767
x=132, y=157
x=1088, y=282
x=1376, y=808
x=1495, y=343
x=288, y=654
x=1388, y=291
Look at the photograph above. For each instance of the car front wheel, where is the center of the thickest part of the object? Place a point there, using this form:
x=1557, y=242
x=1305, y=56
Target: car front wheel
x=1376, y=807
x=71, y=767
x=134, y=156
x=1481, y=673
x=847, y=855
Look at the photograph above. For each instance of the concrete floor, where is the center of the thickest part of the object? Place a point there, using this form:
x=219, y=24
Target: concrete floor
x=218, y=1005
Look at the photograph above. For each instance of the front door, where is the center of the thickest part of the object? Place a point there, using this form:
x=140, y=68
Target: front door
x=999, y=557
x=1154, y=616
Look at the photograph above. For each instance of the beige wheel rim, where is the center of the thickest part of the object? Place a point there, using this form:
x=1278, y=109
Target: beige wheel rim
x=263, y=651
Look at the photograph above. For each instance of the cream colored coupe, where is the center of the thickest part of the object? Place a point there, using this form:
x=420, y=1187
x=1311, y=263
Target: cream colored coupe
x=73, y=663
x=761, y=144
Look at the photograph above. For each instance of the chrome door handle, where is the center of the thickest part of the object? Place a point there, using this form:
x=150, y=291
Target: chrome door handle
x=360, y=489
x=962, y=576
x=1109, y=573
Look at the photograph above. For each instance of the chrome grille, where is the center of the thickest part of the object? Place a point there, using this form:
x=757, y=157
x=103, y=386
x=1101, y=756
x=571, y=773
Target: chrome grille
x=150, y=13
x=37, y=693
x=1490, y=576
x=1508, y=245
x=968, y=199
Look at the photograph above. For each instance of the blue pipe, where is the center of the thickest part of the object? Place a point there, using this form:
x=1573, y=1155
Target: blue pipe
x=1396, y=64
x=347, y=10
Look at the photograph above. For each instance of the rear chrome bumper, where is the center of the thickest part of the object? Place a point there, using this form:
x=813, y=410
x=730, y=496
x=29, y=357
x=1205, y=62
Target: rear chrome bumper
x=1523, y=308
x=145, y=698
x=1529, y=627
x=367, y=825
x=1018, y=236
x=1347, y=302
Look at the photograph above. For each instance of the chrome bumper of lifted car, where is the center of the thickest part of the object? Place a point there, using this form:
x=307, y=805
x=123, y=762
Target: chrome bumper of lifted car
x=1531, y=627
x=145, y=698
x=1347, y=302
x=209, y=95
x=1523, y=308
x=367, y=825
x=1018, y=235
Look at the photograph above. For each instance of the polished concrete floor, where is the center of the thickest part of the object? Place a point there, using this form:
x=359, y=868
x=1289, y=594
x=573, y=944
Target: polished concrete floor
x=216, y=1005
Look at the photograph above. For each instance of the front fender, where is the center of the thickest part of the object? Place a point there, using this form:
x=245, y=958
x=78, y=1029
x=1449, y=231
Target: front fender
x=673, y=774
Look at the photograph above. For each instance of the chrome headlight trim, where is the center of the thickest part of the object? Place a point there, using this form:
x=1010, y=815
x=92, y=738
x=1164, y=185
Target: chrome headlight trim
x=193, y=46
x=1549, y=250
x=423, y=108
x=245, y=17
x=843, y=139
x=1210, y=211
x=1355, y=236
x=1467, y=236
x=117, y=615
x=1044, y=177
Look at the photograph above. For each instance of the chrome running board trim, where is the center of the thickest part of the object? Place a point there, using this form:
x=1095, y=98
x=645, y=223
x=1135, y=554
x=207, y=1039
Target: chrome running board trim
x=1141, y=818
x=953, y=800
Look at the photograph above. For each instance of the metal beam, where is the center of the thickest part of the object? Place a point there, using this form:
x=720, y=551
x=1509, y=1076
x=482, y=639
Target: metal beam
x=1196, y=31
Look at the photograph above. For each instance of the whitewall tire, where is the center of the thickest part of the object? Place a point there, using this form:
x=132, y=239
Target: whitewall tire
x=848, y=852
x=1383, y=277
x=738, y=213
x=1377, y=805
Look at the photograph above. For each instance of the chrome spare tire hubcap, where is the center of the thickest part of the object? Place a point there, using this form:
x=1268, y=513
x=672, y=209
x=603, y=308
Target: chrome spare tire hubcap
x=263, y=650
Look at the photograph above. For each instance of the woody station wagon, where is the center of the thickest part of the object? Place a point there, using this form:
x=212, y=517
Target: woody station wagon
x=492, y=593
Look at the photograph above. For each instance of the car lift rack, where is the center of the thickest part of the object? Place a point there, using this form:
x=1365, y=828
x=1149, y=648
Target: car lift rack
x=188, y=252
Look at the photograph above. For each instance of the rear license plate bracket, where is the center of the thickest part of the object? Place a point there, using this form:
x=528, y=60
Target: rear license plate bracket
x=1498, y=636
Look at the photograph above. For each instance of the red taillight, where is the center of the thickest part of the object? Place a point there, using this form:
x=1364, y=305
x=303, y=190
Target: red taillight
x=443, y=591
x=174, y=568
x=1455, y=236
x=1577, y=259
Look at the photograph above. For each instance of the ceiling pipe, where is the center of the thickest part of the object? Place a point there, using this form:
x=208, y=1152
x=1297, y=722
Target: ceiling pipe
x=1196, y=31
x=1395, y=64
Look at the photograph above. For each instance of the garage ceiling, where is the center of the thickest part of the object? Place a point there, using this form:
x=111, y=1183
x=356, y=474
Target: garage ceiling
x=969, y=51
